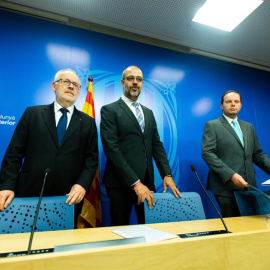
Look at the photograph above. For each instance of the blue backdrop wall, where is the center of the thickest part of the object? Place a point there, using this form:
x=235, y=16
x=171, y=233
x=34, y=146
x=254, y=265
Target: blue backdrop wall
x=184, y=91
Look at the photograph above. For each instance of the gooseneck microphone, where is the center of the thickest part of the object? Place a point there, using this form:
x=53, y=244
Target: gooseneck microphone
x=29, y=251
x=46, y=172
x=186, y=235
x=193, y=168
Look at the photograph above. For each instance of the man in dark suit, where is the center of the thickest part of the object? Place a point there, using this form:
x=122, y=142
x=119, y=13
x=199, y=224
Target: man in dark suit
x=35, y=146
x=130, y=140
x=230, y=148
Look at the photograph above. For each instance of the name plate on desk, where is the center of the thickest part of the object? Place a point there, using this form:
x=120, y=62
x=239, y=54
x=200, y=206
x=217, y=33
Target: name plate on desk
x=187, y=235
x=24, y=253
x=99, y=244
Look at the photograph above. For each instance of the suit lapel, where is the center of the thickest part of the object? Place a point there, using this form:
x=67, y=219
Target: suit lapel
x=49, y=119
x=226, y=124
x=125, y=107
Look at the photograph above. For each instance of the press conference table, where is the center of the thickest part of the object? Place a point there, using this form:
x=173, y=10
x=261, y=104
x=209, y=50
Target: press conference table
x=247, y=247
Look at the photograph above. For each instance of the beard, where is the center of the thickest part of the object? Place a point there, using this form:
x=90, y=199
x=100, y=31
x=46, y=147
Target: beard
x=133, y=95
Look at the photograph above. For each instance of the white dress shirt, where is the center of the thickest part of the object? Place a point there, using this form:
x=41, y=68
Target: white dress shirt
x=58, y=113
x=230, y=122
x=133, y=109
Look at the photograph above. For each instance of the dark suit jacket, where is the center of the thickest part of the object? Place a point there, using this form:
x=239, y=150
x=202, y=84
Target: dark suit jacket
x=128, y=150
x=34, y=143
x=225, y=155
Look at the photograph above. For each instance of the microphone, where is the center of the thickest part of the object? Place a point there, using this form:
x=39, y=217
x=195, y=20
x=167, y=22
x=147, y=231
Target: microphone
x=29, y=251
x=46, y=172
x=193, y=168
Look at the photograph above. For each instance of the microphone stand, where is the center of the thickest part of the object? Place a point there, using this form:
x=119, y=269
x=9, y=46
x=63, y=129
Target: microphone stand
x=224, y=224
x=47, y=171
x=208, y=232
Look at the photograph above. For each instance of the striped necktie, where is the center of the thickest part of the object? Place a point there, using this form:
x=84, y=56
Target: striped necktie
x=139, y=115
x=238, y=131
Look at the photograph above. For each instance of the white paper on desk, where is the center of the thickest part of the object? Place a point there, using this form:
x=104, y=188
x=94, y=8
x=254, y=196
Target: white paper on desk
x=150, y=234
x=266, y=183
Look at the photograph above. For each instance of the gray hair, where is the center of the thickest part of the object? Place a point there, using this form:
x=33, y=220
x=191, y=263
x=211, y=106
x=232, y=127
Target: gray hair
x=59, y=73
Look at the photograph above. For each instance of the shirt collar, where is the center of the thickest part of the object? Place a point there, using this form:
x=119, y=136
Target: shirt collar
x=57, y=107
x=230, y=119
x=129, y=101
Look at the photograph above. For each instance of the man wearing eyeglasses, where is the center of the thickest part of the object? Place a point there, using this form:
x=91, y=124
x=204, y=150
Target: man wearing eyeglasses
x=130, y=140
x=55, y=136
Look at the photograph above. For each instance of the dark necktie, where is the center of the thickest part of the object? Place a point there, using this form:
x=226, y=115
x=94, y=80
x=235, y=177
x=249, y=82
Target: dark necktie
x=62, y=125
x=139, y=115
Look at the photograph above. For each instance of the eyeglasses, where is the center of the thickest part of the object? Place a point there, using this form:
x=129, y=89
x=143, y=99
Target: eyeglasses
x=68, y=82
x=132, y=79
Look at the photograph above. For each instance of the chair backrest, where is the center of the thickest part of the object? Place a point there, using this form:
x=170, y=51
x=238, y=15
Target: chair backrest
x=54, y=215
x=252, y=203
x=171, y=209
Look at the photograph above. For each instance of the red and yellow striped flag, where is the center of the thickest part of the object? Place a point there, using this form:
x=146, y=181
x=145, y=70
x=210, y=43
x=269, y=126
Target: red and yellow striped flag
x=91, y=211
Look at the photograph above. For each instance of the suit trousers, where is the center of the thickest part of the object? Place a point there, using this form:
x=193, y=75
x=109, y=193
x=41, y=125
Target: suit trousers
x=121, y=202
x=228, y=206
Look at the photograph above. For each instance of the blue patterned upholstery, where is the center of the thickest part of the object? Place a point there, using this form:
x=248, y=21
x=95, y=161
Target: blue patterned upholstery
x=171, y=209
x=54, y=215
x=252, y=203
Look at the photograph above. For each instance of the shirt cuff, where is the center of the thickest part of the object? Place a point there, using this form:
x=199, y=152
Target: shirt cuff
x=136, y=183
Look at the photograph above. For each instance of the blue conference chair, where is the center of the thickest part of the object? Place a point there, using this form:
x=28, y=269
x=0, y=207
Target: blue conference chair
x=252, y=203
x=54, y=215
x=171, y=209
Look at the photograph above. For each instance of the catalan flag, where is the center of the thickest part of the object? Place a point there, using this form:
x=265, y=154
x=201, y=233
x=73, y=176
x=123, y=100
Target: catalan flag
x=91, y=210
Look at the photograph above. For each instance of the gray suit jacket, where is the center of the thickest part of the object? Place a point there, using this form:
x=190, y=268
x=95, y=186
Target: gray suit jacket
x=225, y=155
